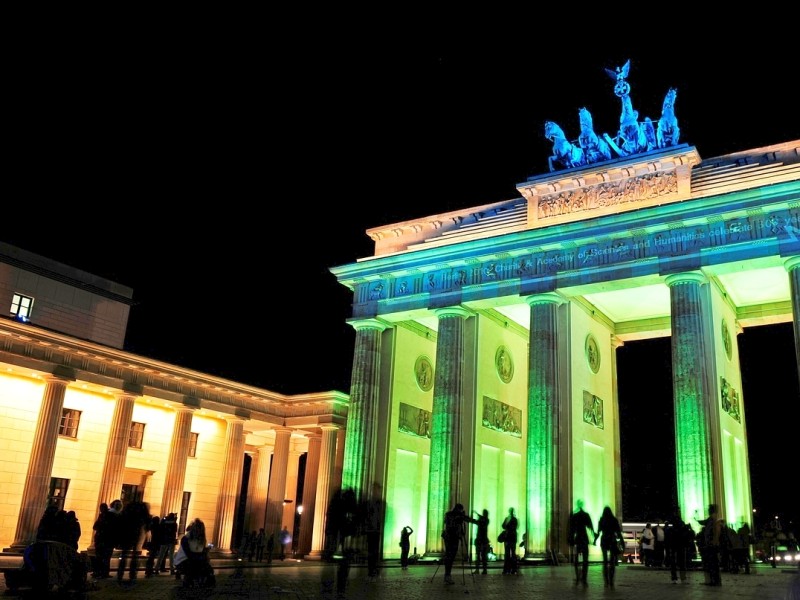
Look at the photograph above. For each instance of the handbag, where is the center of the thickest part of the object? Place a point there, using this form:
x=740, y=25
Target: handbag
x=502, y=537
x=180, y=556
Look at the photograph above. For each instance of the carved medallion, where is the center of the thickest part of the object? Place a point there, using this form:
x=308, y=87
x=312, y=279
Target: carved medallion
x=423, y=371
x=726, y=339
x=592, y=353
x=504, y=364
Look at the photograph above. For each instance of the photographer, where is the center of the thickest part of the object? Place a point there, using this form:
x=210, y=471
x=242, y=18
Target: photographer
x=452, y=535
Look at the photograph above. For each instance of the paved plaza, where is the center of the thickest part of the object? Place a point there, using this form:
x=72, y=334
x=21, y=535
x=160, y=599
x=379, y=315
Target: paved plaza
x=291, y=580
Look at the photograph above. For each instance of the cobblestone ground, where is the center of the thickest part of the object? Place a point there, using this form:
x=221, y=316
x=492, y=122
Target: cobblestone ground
x=312, y=580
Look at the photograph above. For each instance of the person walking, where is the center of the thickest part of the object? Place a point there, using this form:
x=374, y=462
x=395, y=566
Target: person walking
x=482, y=542
x=405, y=546
x=580, y=523
x=609, y=531
x=270, y=547
x=510, y=526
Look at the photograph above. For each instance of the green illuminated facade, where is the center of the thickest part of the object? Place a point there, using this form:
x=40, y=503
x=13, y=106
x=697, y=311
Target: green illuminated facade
x=485, y=361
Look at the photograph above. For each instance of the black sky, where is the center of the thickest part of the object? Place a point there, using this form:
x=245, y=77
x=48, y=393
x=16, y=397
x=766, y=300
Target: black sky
x=220, y=164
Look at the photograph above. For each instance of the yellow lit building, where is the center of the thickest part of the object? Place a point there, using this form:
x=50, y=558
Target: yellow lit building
x=83, y=422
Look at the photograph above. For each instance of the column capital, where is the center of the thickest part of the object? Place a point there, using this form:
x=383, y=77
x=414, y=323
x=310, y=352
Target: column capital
x=359, y=324
x=62, y=374
x=546, y=298
x=791, y=263
x=616, y=342
x=688, y=277
x=452, y=311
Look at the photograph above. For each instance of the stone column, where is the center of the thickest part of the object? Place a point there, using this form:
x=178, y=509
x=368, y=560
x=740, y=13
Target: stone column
x=230, y=485
x=541, y=518
x=277, y=484
x=337, y=473
x=791, y=265
x=261, y=487
x=616, y=343
x=290, y=508
x=117, y=446
x=309, y=495
x=448, y=397
x=360, y=444
x=690, y=391
x=43, y=452
x=325, y=475
x=172, y=497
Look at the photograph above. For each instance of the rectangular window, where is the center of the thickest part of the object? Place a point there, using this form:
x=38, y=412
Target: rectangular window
x=70, y=419
x=21, y=307
x=192, y=444
x=137, y=435
x=58, y=492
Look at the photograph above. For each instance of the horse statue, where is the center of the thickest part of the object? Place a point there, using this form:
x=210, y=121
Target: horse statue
x=631, y=138
x=565, y=153
x=595, y=148
x=668, y=131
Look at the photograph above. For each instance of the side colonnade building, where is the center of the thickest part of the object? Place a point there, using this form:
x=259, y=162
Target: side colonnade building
x=83, y=422
x=485, y=354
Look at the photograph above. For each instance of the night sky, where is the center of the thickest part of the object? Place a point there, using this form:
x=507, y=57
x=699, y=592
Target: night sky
x=220, y=164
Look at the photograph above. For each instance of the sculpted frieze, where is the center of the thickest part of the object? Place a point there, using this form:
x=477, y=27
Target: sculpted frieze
x=610, y=193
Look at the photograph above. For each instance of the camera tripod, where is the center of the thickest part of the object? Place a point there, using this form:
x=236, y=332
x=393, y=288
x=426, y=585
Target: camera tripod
x=466, y=559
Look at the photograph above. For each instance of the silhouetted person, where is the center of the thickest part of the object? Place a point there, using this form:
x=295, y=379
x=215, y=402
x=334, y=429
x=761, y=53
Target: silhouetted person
x=285, y=539
x=342, y=524
x=169, y=538
x=711, y=539
x=610, y=532
x=72, y=531
x=580, y=524
x=103, y=542
x=133, y=520
x=270, y=547
x=678, y=542
x=482, y=542
x=152, y=544
x=510, y=526
x=405, y=546
x=260, y=545
x=452, y=535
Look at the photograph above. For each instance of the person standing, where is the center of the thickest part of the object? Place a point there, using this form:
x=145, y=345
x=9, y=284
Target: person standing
x=152, y=543
x=133, y=521
x=452, y=535
x=260, y=545
x=285, y=539
x=580, y=523
x=270, y=547
x=482, y=542
x=610, y=532
x=103, y=542
x=169, y=538
x=405, y=546
x=510, y=526
x=648, y=545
